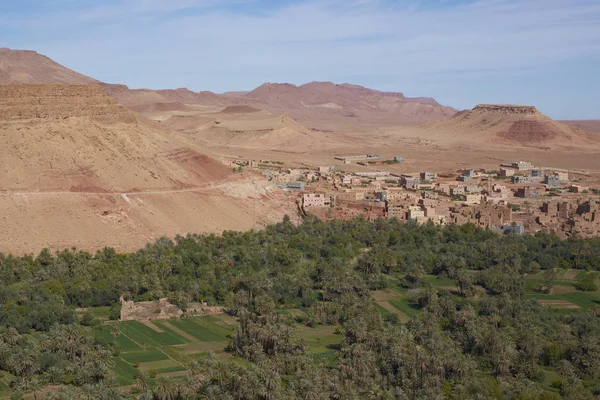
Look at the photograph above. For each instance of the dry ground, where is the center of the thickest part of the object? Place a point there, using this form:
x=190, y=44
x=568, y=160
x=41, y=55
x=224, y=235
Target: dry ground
x=127, y=222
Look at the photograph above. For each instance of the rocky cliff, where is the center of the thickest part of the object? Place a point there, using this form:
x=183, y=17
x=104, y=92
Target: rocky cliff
x=20, y=102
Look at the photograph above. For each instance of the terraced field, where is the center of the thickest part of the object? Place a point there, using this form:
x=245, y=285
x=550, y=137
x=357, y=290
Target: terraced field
x=164, y=347
x=565, y=296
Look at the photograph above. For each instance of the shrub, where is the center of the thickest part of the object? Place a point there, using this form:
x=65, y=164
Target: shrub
x=115, y=312
x=587, y=283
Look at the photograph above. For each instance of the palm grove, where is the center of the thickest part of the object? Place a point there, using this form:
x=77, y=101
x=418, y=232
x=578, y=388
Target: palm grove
x=486, y=338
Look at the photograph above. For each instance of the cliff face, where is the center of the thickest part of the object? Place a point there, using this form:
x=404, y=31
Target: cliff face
x=20, y=102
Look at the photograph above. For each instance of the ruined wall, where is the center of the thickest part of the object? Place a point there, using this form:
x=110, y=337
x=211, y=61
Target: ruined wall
x=19, y=102
x=162, y=309
x=148, y=310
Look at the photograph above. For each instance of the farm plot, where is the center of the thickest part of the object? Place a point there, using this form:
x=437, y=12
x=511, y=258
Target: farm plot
x=147, y=337
x=401, y=303
x=104, y=335
x=164, y=346
x=203, y=329
x=560, y=304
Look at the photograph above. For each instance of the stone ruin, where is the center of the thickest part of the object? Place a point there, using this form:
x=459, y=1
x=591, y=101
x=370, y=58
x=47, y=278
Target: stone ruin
x=162, y=309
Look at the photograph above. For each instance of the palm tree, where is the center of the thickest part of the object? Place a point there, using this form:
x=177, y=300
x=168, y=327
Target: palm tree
x=142, y=382
x=565, y=370
x=164, y=389
x=23, y=363
x=115, y=332
x=10, y=336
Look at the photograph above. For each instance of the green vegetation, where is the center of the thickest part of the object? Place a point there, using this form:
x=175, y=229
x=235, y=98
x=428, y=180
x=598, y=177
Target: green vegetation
x=325, y=310
x=514, y=207
x=587, y=284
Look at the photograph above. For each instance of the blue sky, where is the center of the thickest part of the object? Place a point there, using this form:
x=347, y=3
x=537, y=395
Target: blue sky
x=461, y=52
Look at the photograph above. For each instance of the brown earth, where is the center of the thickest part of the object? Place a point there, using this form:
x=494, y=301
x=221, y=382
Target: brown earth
x=76, y=138
x=20, y=66
x=87, y=173
x=251, y=131
x=590, y=125
x=506, y=126
x=239, y=110
x=316, y=101
x=160, y=107
x=136, y=97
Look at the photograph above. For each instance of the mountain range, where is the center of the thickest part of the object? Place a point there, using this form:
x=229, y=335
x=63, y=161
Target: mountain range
x=314, y=100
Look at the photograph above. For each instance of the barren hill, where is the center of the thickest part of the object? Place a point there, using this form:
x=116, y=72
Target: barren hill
x=589, y=125
x=137, y=97
x=23, y=66
x=316, y=103
x=507, y=125
x=321, y=99
x=78, y=169
x=239, y=110
x=75, y=137
x=256, y=130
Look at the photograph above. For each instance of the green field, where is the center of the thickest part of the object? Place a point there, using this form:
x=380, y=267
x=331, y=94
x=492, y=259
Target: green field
x=143, y=348
x=401, y=303
x=164, y=346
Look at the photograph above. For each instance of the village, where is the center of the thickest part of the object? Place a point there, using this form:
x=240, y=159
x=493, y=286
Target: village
x=516, y=198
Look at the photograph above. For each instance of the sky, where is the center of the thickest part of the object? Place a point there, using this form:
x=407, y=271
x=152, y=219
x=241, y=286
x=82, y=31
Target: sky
x=461, y=52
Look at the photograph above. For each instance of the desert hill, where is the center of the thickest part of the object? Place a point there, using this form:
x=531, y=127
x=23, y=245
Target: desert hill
x=507, y=125
x=589, y=125
x=143, y=97
x=252, y=130
x=22, y=66
x=316, y=104
x=81, y=170
x=321, y=99
x=239, y=110
x=75, y=137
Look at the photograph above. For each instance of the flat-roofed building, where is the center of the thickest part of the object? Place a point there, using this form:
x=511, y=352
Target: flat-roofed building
x=315, y=200
x=295, y=185
x=396, y=210
x=506, y=172
x=349, y=196
x=427, y=176
x=414, y=212
x=522, y=165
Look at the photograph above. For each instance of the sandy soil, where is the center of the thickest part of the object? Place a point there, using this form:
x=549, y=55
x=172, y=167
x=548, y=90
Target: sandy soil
x=127, y=222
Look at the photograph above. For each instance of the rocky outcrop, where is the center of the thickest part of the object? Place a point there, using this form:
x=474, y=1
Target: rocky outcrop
x=20, y=102
x=506, y=108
